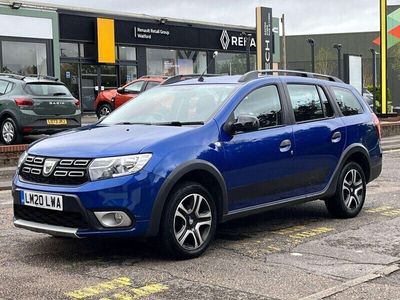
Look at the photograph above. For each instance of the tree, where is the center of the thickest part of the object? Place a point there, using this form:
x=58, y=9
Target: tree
x=325, y=61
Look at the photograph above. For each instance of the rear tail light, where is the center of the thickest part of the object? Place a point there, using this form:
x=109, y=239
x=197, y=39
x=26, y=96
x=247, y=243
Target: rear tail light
x=23, y=102
x=377, y=125
x=77, y=103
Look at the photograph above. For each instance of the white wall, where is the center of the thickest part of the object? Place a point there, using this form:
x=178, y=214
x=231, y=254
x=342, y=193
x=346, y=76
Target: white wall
x=28, y=27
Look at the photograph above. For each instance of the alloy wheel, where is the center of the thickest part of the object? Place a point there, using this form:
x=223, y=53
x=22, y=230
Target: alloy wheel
x=192, y=221
x=8, y=132
x=104, y=111
x=353, y=189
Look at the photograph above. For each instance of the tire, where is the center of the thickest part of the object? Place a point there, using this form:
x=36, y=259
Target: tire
x=103, y=110
x=9, y=132
x=350, y=192
x=189, y=205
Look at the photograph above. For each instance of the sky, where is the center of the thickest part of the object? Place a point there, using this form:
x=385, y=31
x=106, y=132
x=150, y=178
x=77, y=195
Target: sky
x=302, y=16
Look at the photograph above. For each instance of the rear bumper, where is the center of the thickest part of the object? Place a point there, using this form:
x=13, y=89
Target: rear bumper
x=47, y=129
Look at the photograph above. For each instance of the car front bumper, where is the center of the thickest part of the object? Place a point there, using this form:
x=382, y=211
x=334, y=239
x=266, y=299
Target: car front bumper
x=134, y=195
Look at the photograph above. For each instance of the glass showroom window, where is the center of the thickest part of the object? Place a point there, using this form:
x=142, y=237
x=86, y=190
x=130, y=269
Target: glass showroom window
x=127, y=64
x=69, y=50
x=24, y=58
x=233, y=63
x=175, y=62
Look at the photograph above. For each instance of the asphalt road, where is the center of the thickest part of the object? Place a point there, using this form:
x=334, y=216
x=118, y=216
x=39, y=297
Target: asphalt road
x=291, y=253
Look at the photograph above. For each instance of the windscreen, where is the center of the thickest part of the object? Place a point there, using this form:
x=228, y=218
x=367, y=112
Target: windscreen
x=47, y=89
x=173, y=104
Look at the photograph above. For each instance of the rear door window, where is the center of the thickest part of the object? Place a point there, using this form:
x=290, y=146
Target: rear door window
x=151, y=84
x=47, y=89
x=347, y=102
x=306, y=102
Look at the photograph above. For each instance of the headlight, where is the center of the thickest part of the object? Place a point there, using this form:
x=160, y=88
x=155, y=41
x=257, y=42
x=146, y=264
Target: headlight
x=109, y=167
x=21, y=159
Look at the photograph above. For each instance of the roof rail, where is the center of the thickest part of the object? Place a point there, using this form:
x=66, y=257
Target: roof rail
x=258, y=73
x=178, y=78
x=11, y=75
x=42, y=76
x=153, y=76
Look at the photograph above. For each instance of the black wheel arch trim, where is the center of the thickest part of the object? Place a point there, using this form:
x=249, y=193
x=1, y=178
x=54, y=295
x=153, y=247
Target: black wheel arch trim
x=170, y=182
x=9, y=113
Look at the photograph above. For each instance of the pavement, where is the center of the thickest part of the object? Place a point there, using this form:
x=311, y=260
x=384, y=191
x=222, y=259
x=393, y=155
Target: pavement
x=297, y=252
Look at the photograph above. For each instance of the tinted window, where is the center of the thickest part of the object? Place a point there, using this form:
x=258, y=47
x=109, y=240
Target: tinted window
x=151, y=84
x=47, y=89
x=305, y=102
x=328, y=110
x=3, y=87
x=347, y=102
x=264, y=104
x=135, y=87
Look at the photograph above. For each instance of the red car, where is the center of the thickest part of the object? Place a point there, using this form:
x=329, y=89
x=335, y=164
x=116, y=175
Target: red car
x=109, y=100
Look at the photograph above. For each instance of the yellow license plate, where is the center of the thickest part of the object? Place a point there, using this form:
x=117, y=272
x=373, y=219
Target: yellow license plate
x=56, y=121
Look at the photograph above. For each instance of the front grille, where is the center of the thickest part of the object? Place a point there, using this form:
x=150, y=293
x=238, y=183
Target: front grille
x=66, y=171
x=51, y=217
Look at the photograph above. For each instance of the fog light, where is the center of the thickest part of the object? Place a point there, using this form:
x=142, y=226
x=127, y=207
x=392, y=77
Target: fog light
x=113, y=218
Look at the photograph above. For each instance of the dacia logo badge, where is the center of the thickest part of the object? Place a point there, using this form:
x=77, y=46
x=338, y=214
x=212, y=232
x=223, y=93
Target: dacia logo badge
x=49, y=165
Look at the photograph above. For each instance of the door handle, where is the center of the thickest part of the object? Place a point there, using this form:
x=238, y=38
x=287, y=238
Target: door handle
x=336, y=137
x=285, y=145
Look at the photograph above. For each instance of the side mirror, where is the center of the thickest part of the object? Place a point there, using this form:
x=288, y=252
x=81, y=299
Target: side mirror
x=243, y=123
x=120, y=90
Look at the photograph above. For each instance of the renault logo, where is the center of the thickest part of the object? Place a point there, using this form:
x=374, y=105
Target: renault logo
x=49, y=166
x=224, y=39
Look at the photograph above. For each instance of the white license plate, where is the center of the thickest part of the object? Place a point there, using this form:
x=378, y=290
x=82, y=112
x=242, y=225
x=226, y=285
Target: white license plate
x=42, y=200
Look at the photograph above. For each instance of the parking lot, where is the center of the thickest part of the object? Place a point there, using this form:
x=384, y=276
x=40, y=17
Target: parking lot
x=290, y=253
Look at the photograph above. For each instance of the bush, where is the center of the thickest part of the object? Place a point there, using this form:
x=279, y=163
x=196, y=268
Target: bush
x=379, y=97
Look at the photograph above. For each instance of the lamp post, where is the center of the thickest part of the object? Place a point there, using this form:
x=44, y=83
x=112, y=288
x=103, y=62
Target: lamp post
x=338, y=47
x=247, y=37
x=373, y=78
x=312, y=45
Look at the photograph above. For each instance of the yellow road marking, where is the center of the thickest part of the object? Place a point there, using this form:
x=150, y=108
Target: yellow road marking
x=290, y=230
x=311, y=232
x=379, y=209
x=134, y=293
x=391, y=213
x=100, y=288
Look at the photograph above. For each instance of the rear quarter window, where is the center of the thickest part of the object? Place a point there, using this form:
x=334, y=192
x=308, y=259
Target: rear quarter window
x=347, y=101
x=3, y=87
x=47, y=89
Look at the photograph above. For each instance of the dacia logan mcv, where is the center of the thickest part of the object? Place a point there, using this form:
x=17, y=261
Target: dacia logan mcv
x=188, y=155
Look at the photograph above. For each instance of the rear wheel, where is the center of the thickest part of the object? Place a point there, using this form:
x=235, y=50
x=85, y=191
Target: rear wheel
x=104, y=110
x=189, y=221
x=350, y=192
x=9, y=132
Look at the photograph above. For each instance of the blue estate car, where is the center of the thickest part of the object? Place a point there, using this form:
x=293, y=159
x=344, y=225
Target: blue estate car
x=190, y=154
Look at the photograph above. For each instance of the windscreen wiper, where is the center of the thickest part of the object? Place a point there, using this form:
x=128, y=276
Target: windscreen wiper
x=59, y=94
x=178, y=123
x=131, y=123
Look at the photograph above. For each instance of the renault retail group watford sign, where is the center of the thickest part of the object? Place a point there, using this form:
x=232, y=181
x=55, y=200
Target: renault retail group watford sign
x=264, y=37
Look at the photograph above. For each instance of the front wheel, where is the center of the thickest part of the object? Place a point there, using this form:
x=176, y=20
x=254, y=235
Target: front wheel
x=350, y=192
x=9, y=132
x=104, y=110
x=189, y=221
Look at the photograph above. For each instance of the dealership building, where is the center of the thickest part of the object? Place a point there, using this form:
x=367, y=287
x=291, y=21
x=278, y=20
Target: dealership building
x=92, y=50
x=67, y=44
